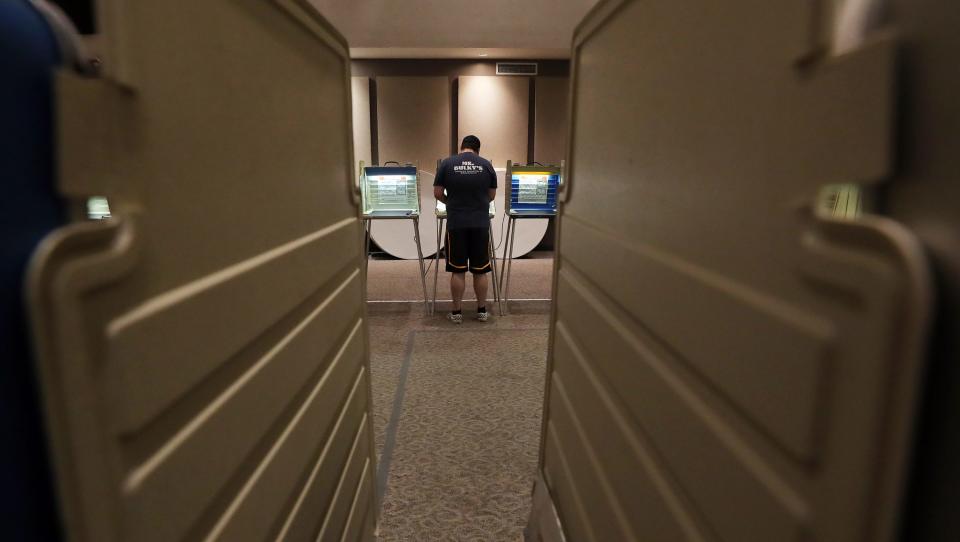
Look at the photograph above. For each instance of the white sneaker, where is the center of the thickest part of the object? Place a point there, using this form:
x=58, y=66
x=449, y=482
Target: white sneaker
x=483, y=316
x=455, y=318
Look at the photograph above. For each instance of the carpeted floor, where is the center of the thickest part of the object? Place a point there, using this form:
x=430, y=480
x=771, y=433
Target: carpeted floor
x=457, y=419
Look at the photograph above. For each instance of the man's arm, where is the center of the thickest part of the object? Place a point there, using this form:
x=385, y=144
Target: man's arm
x=493, y=182
x=438, y=183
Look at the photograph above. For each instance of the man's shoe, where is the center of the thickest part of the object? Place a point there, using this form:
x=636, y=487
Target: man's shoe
x=455, y=318
x=483, y=316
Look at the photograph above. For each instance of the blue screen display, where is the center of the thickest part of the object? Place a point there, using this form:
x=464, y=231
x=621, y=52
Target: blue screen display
x=533, y=192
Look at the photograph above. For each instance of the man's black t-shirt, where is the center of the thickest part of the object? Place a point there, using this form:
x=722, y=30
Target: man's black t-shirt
x=468, y=178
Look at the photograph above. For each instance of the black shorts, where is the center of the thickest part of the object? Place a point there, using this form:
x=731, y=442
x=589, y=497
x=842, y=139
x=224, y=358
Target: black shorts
x=468, y=248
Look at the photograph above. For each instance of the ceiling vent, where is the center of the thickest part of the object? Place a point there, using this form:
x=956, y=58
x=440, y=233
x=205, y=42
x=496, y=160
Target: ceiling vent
x=516, y=68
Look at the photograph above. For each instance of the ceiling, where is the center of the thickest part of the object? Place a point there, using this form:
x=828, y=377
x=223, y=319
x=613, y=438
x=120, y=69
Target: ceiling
x=456, y=28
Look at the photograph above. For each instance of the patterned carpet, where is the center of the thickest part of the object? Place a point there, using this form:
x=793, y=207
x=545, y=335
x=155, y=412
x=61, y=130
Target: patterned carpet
x=457, y=418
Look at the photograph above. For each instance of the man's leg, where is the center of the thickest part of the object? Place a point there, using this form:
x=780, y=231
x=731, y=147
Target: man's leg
x=480, y=282
x=458, y=283
x=457, y=266
x=480, y=266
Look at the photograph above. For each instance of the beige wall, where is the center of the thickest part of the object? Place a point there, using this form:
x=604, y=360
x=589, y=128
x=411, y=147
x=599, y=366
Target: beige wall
x=495, y=109
x=413, y=125
x=550, y=134
x=413, y=119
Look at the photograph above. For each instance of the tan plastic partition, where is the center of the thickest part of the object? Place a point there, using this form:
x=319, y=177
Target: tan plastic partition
x=725, y=364
x=204, y=354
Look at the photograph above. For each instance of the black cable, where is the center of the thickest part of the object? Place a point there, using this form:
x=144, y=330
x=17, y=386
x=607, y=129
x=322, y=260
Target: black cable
x=502, y=234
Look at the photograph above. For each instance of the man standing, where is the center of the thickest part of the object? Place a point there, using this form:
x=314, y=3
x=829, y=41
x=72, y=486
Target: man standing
x=467, y=183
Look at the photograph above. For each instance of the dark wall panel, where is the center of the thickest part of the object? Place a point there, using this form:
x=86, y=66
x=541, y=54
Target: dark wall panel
x=413, y=119
x=550, y=132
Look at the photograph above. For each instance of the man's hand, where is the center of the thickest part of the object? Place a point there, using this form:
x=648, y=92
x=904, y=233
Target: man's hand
x=439, y=195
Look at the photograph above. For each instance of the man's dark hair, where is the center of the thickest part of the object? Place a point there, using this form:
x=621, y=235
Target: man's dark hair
x=471, y=142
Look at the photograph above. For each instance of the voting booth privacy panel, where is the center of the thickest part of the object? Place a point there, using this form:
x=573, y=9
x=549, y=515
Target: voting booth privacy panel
x=531, y=195
x=203, y=353
x=712, y=378
x=533, y=189
x=390, y=191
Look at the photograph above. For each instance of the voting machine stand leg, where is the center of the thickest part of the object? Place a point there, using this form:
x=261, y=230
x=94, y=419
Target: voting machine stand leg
x=423, y=271
x=511, y=237
x=493, y=272
x=503, y=261
x=493, y=265
x=436, y=265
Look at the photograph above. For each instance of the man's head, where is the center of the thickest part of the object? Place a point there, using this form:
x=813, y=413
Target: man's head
x=471, y=142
